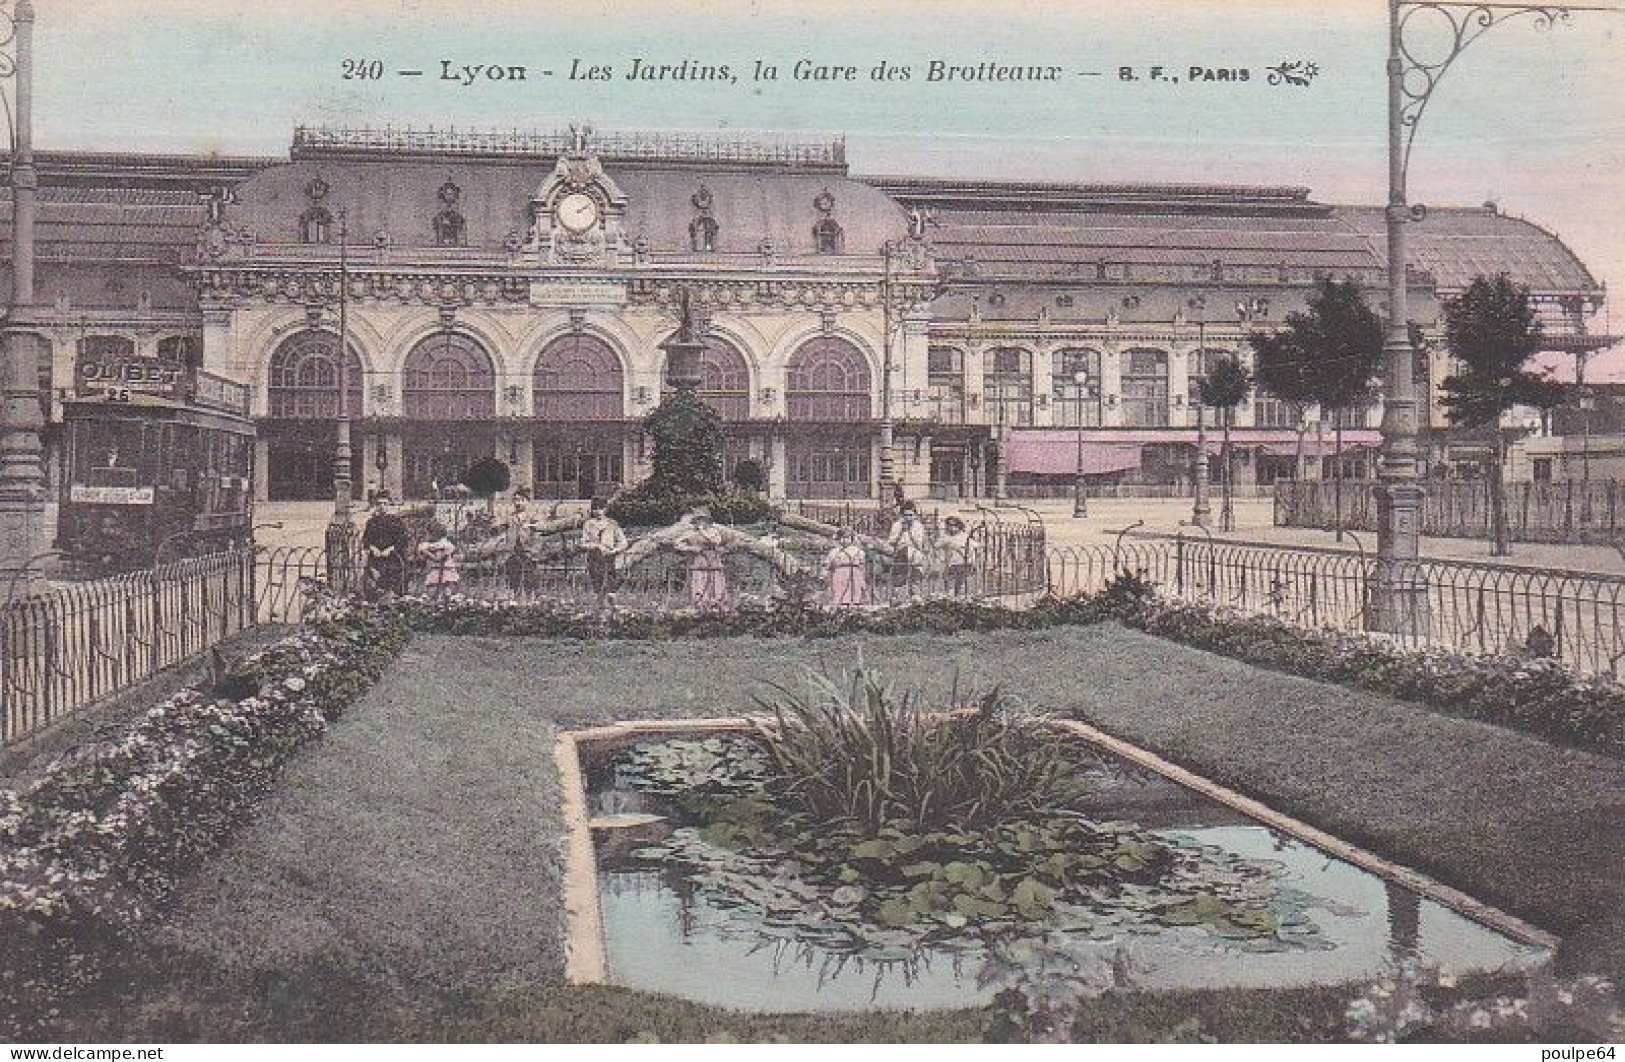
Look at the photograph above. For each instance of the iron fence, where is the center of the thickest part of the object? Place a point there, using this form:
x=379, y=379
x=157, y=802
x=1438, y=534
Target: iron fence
x=1572, y=511
x=1576, y=617
x=74, y=645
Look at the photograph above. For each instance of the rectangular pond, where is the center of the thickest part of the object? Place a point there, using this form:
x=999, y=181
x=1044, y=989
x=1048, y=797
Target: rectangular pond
x=1143, y=881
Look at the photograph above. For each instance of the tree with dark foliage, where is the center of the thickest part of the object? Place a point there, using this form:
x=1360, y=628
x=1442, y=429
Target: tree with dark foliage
x=1492, y=333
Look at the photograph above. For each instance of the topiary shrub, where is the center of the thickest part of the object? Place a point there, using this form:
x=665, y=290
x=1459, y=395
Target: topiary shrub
x=487, y=478
x=749, y=475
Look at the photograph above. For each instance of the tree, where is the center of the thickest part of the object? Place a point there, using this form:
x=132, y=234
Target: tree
x=486, y=478
x=1491, y=332
x=1224, y=387
x=1330, y=356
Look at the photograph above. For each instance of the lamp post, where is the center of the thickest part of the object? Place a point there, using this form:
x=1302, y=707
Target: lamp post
x=1398, y=601
x=1080, y=500
x=23, y=530
x=888, y=459
x=339, y=529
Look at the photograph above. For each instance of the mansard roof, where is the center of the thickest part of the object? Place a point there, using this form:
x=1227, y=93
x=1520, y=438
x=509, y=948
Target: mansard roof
x=401, y=197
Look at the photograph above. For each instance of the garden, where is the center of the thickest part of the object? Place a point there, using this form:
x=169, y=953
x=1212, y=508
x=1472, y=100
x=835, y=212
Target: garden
x=361, y=832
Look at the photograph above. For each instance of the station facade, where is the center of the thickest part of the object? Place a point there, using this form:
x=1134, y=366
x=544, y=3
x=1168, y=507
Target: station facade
x=509, y=294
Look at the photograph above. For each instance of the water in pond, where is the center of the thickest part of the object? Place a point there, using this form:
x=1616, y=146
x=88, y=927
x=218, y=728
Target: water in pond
x=1287, y=915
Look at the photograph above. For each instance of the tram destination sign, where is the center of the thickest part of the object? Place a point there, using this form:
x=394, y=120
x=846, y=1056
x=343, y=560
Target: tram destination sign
x=118, y=376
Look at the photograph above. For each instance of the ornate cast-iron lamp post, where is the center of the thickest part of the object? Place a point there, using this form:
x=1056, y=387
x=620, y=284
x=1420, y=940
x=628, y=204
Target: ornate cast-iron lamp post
x=1398, y=602
x=23, y=530
x=1080, y=498
x=340, y=529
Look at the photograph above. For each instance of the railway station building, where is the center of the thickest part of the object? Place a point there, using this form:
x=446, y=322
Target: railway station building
x=508, y=294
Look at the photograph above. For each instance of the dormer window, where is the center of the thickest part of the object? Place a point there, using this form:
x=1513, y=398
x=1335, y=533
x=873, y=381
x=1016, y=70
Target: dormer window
x=827, y=236
x=316, y=225
x=702, y=234
x=450, y=230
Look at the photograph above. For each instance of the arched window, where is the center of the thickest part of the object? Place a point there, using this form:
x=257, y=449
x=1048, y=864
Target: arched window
x=316, y=225
x=450, y=230
x=702, y=233
x=578, y=377
x=303, y=383
x=829, y=380
x=448, y=377
x=1075, y=405
x=827, y=236
x=1145, y=388
x=945, y=374
x=1007, y=386
x=724, y=380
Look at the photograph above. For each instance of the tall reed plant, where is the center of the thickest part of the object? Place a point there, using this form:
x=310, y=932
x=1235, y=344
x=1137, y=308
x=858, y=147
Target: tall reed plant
x=851, y=748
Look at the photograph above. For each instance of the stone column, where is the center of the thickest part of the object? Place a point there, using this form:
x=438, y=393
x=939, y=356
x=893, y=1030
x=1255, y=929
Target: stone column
x=1111, y=384
x=1044, y=415
x=778, y=469
x=1180, y=414
x=262, y=469
x=395, y=472
x=523, y=472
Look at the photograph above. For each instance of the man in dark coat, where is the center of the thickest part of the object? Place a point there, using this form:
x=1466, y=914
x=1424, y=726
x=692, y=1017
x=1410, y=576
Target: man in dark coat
x=386, y=542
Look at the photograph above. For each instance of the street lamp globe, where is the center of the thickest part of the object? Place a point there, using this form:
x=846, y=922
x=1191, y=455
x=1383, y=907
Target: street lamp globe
x=1080, y=503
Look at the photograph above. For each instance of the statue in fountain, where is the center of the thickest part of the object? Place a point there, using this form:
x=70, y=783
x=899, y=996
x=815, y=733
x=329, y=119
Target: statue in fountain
x=704, y=543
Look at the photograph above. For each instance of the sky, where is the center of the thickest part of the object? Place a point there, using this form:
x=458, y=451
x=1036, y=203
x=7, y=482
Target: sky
x=1529, y=117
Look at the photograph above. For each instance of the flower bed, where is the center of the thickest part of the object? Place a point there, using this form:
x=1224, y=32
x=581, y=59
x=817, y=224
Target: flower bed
x=1539, y=696
x=554, y=619
x=90, y=848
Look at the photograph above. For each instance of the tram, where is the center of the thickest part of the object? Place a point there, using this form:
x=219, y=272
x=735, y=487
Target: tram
x=155, y=471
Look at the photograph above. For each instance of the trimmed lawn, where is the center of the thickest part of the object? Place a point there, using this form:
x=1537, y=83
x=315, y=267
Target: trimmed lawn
x=402, y=883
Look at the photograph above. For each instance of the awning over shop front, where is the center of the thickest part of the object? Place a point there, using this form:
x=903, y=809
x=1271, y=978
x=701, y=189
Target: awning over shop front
x=1055, y=451
x=1052, y=457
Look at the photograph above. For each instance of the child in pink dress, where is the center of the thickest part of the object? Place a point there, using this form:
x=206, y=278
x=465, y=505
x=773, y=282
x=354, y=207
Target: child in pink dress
x=847, y=566
x=439, y=555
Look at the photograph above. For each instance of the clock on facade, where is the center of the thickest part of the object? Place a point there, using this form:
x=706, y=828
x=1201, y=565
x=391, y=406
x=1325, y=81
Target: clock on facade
x=577, y=212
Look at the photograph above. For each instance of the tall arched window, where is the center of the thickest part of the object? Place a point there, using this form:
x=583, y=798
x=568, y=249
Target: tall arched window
x=1075, y=405
x=1007, y=386
x=1145, y=388
x=303, y=383
x=828, y=380
x=578, y=377
x=724, y=380
x=702, y=233
x=448, y=377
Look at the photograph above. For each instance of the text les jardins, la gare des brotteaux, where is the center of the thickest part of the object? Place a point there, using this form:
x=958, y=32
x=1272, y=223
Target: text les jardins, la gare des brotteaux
x=806, y=70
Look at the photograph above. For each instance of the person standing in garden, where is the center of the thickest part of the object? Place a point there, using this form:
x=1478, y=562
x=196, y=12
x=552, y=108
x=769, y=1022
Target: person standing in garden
x=707, y=576
x=439, y=555
x=847, y=567
x=386, y=541
x=954, y=549
x=602, y=540
x=910, y=545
